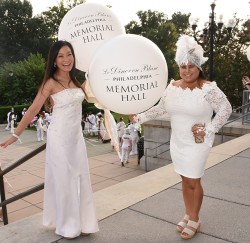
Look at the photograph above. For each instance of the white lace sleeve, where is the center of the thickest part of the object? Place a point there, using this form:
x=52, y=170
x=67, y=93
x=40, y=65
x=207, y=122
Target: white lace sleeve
x=154, y=112
x=220, y=104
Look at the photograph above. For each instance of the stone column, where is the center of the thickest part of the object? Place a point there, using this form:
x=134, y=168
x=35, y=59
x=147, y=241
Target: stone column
x=156, y=135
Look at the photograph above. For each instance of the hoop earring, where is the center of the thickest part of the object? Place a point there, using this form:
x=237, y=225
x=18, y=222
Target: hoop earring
x=55, y=65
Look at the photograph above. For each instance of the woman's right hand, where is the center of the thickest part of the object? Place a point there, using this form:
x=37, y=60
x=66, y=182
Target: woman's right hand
x=8, y=142
x=245, y=80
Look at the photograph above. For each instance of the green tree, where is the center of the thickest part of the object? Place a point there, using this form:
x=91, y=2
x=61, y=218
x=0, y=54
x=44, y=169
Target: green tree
x=181, y=22
x=19, y=81
x=20, y=33
x=230, y=62
x=156, y=27
x=53, y=17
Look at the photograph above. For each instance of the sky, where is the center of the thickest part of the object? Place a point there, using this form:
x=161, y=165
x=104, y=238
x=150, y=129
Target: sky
x=126, y=9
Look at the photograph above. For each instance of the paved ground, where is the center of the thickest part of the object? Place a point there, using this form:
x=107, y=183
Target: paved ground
x=225, y=212
x=104, y=165
x=147, y=207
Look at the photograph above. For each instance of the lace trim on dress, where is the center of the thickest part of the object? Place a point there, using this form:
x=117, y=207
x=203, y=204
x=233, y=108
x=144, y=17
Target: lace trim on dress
x=154, y=112
x=220, y=104
x=211, y=93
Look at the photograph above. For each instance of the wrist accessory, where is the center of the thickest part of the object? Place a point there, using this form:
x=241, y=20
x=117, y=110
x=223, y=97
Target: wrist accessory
x=16, y=136
x=201, y=128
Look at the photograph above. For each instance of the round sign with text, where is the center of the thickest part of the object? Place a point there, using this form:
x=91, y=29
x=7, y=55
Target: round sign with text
x=87, y=26
x=128, y=74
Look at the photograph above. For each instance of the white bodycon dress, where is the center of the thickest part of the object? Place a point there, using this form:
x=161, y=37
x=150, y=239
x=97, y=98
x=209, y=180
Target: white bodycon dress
x=185, y=108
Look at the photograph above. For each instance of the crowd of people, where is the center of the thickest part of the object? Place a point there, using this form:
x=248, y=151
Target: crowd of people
x=94, y=125
x=41, y=122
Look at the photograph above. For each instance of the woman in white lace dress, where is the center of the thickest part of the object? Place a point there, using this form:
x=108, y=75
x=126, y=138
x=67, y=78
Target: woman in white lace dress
x=190, y=102
x=68, y=200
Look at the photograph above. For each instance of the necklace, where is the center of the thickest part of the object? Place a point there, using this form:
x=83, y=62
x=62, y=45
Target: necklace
x=64, y=83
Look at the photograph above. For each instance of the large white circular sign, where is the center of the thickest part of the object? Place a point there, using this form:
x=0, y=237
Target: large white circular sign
x=87, y=26
x=128, y=74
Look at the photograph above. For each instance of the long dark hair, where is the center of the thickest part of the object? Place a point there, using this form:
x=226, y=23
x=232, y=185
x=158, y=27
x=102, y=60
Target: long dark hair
x=51, y=68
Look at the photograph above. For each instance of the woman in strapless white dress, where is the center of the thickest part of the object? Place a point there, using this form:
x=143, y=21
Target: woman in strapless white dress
x=190, y=101
x=68, y=197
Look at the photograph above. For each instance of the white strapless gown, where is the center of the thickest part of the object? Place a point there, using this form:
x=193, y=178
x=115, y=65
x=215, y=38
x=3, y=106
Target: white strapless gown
x=68, y=197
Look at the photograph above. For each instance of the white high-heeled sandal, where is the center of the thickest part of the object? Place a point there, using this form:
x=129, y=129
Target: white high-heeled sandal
x=188, y=232
x=182, y=224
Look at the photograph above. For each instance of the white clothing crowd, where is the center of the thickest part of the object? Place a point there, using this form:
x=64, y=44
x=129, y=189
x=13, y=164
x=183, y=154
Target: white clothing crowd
x=93, y=125
x=128, y=135
x=41, y=123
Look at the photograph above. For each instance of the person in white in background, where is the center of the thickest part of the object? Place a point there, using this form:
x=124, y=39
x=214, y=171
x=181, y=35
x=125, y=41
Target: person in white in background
x=120, y=128
x=98, y=122
x=126, y=146
x=97, y=118
x=135, y=137
x=45, y=119
x=39, y=128
x=48, y=119
x=92, y=123
x=12, y=122
x=23, y=111
x=8, y=119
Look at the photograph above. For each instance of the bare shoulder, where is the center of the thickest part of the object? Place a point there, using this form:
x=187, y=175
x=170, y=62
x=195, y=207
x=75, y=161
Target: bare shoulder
x=51, y=86
x=176, y=83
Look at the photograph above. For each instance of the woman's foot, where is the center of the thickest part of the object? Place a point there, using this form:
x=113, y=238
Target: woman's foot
x=70, y=238
x=191, y=229
x=182, y=224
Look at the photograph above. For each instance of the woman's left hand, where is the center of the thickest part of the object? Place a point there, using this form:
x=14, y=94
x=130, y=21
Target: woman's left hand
x=198, y=130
